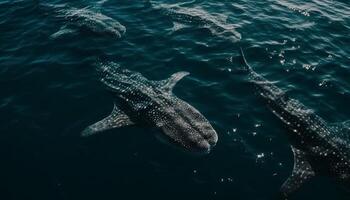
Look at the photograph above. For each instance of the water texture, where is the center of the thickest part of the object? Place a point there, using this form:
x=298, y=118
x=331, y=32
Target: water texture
x=51, y=91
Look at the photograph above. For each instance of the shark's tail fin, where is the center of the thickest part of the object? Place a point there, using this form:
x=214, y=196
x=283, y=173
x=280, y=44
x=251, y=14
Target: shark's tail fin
x=246, y=67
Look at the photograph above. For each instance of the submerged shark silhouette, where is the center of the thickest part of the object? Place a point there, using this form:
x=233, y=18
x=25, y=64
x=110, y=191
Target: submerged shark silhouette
x=184, y=16
x=85, y=18
x=153, y=103
x=318, y=147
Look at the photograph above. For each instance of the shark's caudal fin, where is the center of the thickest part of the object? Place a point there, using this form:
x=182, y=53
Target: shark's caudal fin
x=168, y=84
x=116, y=119
x=243, y=62
x=302, y=172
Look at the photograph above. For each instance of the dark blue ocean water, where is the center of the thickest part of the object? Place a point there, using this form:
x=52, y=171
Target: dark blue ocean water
x=51, y=90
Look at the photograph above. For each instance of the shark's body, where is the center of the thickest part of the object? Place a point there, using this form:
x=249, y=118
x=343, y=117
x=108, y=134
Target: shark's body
x=318, y=147
x=86, y=18
x=153, y=103
x=183, y=17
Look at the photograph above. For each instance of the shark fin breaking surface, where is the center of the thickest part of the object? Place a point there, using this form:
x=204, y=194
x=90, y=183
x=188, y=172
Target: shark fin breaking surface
x=115, y=120
x=302, y=172
x=243, y=61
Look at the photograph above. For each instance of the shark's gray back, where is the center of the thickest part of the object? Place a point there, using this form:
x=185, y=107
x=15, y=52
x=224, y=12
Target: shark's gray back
x=217, y=24
x=129, y=86
x=89, y=18
x=153, y=102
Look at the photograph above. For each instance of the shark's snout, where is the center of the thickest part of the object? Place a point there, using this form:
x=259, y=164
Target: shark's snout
x=203, y=146
x=207, y=142
x=212, y=138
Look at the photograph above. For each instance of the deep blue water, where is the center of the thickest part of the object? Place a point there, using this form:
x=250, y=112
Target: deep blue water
x=51, y=90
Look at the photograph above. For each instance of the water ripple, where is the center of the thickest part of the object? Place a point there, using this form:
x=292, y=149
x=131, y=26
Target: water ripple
x=48, y=51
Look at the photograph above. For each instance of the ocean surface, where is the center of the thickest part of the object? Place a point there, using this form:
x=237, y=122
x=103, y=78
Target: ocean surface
x=51, y=90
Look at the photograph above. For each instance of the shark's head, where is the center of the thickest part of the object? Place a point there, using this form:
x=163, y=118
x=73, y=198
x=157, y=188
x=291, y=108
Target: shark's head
x=205, y=139
x=190, y=129
x=199, y=139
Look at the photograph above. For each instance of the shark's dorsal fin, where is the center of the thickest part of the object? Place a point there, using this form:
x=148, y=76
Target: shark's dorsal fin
x=115, y=120
x=302, y=171
x=243, y=61
x=168, y=84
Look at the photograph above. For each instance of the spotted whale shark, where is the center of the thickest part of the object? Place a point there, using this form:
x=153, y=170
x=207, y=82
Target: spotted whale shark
x=153, y=103
x=183, y=17
x=89, y=18
x=319, y=148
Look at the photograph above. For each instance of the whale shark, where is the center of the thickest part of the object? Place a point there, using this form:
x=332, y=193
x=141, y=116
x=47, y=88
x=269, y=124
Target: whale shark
x=183, y=17
x=319, y=148
x=88, y=18
x=153, y=103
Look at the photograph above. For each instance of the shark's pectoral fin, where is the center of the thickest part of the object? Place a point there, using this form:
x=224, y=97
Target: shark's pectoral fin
x=302, y=172
x=64, y=31
x=178, y=26
x=115, y=120
x=168, y=84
